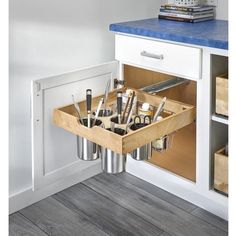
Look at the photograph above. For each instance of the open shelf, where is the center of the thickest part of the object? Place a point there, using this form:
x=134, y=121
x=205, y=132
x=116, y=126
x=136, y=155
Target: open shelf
x=219, y=123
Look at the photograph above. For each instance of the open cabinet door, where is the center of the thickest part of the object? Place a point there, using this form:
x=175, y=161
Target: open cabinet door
x=54, y=151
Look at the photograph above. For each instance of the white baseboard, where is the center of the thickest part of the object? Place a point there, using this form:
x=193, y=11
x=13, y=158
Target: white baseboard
x=28, y=196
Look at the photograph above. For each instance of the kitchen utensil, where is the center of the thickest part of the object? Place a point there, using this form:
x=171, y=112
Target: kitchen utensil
x=114, y=122
x=89, y=104
x=125, y=120
x=140, y=122
x=130, y=107
x=112, y=126
x=105, y=113
x=106, y=95
x=76, y=105
x=98, y=110
x=119, y=106
x=129, y=118
x=112, y=162
x=144, y=152
x=126, y=107
x=159, y=109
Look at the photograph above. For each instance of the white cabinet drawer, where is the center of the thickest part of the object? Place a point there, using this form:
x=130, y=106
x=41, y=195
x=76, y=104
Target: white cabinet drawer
x=168, y=58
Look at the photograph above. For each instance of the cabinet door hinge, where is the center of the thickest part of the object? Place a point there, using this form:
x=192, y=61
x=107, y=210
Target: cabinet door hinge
x=118, y=83
x=38, y=86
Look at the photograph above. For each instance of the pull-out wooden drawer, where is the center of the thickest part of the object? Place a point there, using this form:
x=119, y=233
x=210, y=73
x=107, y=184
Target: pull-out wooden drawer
x=168, y=58
x=177, y=116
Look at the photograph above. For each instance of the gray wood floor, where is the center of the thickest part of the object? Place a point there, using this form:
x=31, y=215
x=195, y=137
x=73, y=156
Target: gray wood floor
x=115, y=205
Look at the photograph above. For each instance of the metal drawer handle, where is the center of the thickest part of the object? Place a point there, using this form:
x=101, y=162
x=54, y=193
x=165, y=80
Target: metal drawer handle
x=151, y=55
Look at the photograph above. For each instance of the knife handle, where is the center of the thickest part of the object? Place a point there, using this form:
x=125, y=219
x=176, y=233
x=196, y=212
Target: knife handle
x=89, y=99
x=119, y=103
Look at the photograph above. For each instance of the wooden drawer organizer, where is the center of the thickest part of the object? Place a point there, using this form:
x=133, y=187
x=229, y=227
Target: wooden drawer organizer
x=222, y=95
x=177, y=115
x=221, y=171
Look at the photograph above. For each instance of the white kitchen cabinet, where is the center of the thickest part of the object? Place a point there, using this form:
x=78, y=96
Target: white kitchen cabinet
x=51, y=161
x=210, y=134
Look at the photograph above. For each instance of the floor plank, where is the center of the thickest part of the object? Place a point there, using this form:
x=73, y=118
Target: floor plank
x=19, y=225
x=158, y=192
x=115, y=205
x=211, y=219
x=57, y=220
x=164, y=215
x=165, y=234
x=110, y=217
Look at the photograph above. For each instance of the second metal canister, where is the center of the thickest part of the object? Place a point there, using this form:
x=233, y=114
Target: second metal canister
x=141, y=153
x=112, y=162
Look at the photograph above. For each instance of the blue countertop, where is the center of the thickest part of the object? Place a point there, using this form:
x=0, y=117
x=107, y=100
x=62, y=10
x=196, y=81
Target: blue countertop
x=213, y=33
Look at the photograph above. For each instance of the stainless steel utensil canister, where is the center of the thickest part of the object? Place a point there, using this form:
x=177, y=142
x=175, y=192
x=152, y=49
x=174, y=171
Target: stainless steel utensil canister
x=142, y=153
x=87, y=150
x=112, y=162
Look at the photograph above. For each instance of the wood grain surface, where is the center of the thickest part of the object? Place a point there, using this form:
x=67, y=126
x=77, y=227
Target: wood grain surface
x=115, y=205
x=19, y=225
x=56, y=219
x=107, y=215
x=157, y=192
x=164, y=215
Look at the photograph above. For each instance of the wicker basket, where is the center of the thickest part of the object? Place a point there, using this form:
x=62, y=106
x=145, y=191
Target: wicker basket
x=187, y=2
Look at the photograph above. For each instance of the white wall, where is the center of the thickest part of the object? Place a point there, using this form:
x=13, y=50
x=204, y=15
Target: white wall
x=52, y=37
x=222, y=10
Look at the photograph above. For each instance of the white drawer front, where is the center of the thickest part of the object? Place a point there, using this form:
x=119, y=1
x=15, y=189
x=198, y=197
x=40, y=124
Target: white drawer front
x=168, y=58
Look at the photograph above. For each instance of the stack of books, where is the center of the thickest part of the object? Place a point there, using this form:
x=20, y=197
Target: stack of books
x=190, y=14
